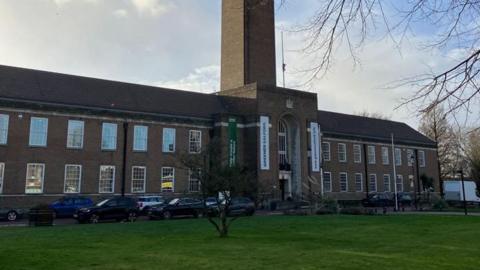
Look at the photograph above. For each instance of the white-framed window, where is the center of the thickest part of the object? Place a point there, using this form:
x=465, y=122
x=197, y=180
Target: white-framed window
x=399, y=183
x=106, y=181
x=168, y=179
x=398, y=157
x=168, y=140
x=76, y=129
x=357, y=153
x=73, y=178
x=372, y=182
x=139, y=177
x=2, y=174
x=358, y=182
x=326, y=151
x=371, y=154
x=109, y=136
x=386, y=182
x=140, y=138
x=35, y=176
x=4, y=119
x=421, y=158
x=195, y=141
x=343, y=182
x=410, y=157
x=342, y=152
x=385, y=157
x=38, y=131
x=327, y=182
x=194, y=181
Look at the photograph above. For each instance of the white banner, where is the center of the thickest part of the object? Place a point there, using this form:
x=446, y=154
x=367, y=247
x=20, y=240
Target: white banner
x=315, y=146
x=264, y=143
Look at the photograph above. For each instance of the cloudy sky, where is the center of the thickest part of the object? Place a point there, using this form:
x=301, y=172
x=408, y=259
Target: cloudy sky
x=176, y=43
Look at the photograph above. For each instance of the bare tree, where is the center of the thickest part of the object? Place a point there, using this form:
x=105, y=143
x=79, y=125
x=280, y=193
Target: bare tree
x=376, y=115
x=473, y=154
x=456, y=24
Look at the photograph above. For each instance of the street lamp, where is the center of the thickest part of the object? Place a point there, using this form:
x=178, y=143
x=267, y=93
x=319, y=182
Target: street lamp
x=412, y=163
x=463, y=191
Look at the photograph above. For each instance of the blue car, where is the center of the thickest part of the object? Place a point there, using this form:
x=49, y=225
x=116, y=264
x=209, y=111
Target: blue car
x=67, y=206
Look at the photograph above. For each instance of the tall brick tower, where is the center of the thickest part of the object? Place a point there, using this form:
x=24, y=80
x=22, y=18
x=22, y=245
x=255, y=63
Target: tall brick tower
x=248, y=43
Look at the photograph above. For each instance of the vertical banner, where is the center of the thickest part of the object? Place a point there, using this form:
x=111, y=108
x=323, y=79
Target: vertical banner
x=315, y=146
x=232, y=142
x=264, y=143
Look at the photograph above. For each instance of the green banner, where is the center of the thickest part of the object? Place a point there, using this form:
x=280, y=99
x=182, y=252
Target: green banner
x=232, y=142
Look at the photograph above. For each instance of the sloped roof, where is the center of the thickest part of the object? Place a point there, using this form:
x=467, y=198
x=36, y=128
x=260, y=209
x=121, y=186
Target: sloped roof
x=42, y=86
x=345, y=125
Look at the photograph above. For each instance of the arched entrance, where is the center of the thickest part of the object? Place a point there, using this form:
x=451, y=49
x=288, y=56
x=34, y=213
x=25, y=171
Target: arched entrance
x=289, y=157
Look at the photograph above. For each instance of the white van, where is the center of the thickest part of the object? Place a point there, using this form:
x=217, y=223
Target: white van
x=453, y=191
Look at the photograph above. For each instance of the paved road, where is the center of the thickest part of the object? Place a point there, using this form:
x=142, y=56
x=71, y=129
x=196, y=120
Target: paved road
x=57, y=222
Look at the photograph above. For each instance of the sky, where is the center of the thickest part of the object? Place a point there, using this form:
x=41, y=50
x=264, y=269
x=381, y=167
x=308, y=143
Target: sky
x=176, y=44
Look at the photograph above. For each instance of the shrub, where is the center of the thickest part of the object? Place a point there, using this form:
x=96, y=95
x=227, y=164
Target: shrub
x=324, y=211
x=352, y=211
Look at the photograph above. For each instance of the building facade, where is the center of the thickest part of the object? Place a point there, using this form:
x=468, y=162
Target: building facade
x=62, y=134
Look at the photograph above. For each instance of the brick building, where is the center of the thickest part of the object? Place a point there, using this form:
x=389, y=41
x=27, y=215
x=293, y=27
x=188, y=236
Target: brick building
x=62, y=134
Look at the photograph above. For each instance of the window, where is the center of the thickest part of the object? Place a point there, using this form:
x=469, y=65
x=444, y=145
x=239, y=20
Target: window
x=3, y=128
x=109, y=136
x=140, y=138
x=343, y=182
x=168, y=179
x=168, y=140
x=194, y=182
x=342, y=152
x=139, y=175
x=326, y=151
x=357, y=153
x=358, y=182
x=386, y=182
x=327, y=182
x=38, y=131
x=410, y=157
x=195, y=141
x=398, y=157
x=421, y=158
x=399, y=183
x=75, y=134
x=372, y=183
x=385, y=157
x=73, y=176
x=2, y=173
x=371, y=154
x=35, y=174
x=107, y=179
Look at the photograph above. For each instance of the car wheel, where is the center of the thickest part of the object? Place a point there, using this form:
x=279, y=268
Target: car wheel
x=132, y=217
x=12, y=216
x=167, y=215
x=94, y=218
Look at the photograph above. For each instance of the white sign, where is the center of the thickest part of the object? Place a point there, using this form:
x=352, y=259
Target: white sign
x=264, y=143
x=315, y=143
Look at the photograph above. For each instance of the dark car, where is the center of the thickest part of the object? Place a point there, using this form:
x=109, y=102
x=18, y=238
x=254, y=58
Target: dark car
x=68, y=206
x=378, y=200
x=117, y=208
x=177, y=207
x=404, y=199
x=11, y=214
x=239, y=206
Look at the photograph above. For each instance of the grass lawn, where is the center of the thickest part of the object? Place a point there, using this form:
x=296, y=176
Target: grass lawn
x=276, y=242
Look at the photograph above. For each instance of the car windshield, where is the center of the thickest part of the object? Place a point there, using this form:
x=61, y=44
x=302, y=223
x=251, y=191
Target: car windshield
x=174, y=201
x=102, y=202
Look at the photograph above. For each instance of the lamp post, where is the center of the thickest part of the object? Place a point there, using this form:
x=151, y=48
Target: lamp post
x=463, y=191
x=412, y=162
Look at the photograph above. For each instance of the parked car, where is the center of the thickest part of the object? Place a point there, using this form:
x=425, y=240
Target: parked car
x=11, y=214
x=239, y=206
x=378, y=200
x=404, y=199
x=177, y=207
x=144, y=203
x=67, y=206
x=117, y=208
x=210, y=201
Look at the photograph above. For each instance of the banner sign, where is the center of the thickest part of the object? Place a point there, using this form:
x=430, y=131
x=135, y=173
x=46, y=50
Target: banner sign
x=264, y=143
x=315, y=146
x=232, y=142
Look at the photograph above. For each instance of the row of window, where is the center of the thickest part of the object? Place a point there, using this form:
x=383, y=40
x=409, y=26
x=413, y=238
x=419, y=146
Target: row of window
x=358, y=182
x=106, y=181
x=76, y=131
x=371, y=156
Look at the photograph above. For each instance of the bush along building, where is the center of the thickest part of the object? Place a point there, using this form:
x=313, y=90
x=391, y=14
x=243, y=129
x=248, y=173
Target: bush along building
x=62, y=134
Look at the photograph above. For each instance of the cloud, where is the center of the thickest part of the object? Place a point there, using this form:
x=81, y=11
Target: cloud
x=152, y=7
x=204, y=79
x=120, y=13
